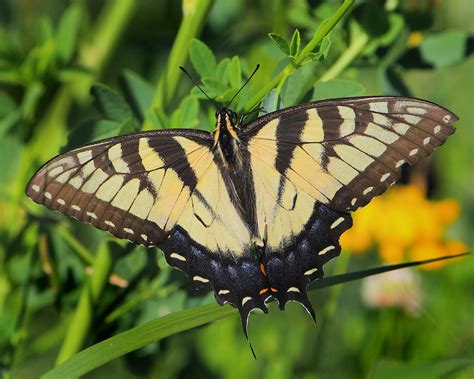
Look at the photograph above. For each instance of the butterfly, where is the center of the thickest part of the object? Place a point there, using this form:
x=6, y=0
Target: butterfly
x=250, y=211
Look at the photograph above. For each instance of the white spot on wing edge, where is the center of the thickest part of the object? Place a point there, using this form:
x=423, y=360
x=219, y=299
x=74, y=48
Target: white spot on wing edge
x=426, y=141
x=93, y=215
x=144, y=236
x=128, y=230
x=413, y=152
x=109, y=223
x=309, y=272
x=385, y=177
x=177, y=256
x=326, y=249
x=437, y=129
x=48, y=195
x=337, y=222
x=198, y=278
x=354, y=200
x=293, y=289
x=76, y=207
x=35, y=187
x=399, y=163
x=223, y=292
x=245, y=299
x=367, y=190
x=61, y=201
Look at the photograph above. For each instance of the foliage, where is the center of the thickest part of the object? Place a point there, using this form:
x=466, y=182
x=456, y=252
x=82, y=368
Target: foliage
x=78, y=73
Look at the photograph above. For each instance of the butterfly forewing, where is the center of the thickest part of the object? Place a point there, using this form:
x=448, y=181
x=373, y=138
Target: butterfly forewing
x=344, y=152
x=134, y=186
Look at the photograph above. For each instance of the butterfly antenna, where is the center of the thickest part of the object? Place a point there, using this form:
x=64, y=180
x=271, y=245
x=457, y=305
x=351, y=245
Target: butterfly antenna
x=198, y=86
x=241, y=88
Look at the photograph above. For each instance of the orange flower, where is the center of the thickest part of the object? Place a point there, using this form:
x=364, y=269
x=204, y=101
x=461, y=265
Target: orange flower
x=405, y=225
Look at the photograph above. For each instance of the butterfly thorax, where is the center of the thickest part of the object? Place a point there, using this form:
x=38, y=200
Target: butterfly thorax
x=226, y=139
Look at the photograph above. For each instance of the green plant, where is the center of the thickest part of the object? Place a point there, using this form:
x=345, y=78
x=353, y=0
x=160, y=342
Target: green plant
x=104, y=287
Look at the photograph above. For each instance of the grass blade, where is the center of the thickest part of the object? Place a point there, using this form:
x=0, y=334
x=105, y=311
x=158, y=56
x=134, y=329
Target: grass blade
x=123, y=343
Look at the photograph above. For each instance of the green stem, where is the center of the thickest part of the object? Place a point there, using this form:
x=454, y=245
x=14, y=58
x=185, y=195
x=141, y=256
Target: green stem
x=358, y=43
x=318, y=36
x=194, y=15
x=341, y=265
x=110, y=26
x=82, y=251
x=84, y=315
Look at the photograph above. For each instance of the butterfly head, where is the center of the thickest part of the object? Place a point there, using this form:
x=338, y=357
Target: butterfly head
x=226, y=126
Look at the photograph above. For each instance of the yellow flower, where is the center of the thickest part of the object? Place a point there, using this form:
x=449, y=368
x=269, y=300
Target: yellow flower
x=415, y=39
x=405, y=225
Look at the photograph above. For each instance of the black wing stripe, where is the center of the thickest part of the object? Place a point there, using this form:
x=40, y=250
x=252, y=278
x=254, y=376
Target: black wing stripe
x=289, y=128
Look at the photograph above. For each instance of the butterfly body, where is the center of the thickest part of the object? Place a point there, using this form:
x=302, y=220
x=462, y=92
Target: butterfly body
x=253, y=212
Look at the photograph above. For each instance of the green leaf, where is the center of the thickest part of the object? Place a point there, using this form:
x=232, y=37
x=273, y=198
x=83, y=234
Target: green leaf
x=325, y=46
x=135, y=338
x=281, y=43
x=222, y=69
x=202, y=59
x=444, y=49
x=214, y=87
x=11, y=148
x=386, y=369
x=271, y=102
x=31, y=98
x=295, y=43
x=138, y=93
x=111, y=103
x=89, y=131
x=7, y=104
x=140, y=336
x=67, y=33
x=297, y=85
x=235, y=72
x=187, y=115
x=356, y=275
x=336, y=88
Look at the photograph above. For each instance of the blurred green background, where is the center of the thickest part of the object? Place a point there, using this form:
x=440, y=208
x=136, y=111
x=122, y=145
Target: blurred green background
x=417, y=323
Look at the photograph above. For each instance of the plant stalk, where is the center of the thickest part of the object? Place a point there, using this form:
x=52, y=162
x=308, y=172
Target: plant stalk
x=194, y=16
x=83, y=317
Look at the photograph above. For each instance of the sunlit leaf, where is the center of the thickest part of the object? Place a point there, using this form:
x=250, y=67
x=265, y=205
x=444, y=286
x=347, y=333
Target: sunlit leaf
x=202, y=59
x=336, y=88
x=67, y=32
x=295, y=43
x=111, y=103
x=444, y=49
x=280, y=42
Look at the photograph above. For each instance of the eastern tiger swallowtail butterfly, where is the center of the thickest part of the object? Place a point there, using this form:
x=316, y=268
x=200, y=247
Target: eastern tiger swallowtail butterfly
x=252, y=212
